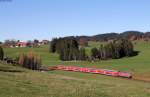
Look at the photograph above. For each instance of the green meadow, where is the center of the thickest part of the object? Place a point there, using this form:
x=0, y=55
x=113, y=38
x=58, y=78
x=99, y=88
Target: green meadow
x=26, y=83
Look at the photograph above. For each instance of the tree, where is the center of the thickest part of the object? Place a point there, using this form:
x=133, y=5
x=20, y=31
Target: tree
x=53, y=45
x=10, y=42
x=30, y=60
x=82, y=54
x=94, y=52
x=35, y=43
x=1, y=53
x=29, y=43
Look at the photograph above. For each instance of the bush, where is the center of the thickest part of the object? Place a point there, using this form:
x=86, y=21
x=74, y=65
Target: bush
x=1, y=53
x=30, y=60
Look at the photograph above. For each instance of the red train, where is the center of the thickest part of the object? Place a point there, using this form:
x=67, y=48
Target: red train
x=95, y=71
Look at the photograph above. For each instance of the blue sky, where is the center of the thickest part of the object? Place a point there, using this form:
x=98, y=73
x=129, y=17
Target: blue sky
x=44, y=19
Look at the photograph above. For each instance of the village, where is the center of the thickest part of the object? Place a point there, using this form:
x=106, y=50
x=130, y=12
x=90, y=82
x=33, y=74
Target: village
x=18, y=43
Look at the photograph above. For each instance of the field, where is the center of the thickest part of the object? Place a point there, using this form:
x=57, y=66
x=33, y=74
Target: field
x=73, y=84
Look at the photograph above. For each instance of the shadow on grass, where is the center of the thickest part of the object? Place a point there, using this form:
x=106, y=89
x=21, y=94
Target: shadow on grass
x=135, y=53
x=7, y=70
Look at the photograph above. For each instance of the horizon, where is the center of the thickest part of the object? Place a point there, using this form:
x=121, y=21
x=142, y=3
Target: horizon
x=27, y=20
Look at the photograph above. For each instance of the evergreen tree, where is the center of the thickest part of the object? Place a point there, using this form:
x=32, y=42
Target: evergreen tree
x=1, y=53
x=82, y=54
x=94, y=52
x=61, y=55
x=53, y=45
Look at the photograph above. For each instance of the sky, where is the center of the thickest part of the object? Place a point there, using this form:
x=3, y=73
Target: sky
x=45, y=19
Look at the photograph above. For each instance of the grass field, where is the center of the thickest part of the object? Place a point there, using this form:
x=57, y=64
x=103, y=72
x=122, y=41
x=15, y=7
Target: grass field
x=73, y=84
x=28, y=83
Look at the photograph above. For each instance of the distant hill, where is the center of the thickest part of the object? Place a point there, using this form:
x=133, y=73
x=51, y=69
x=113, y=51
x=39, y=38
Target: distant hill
x=105, y=37
x=131, y=35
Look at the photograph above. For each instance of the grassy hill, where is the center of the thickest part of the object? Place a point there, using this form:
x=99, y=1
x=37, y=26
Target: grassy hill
x=26, y=83
x=138, y=65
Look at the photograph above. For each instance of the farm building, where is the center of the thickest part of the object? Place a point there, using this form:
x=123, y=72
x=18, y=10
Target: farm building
x=44, y=42
x=21, y=44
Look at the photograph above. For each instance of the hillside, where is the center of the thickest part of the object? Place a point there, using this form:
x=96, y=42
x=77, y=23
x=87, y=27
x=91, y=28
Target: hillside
x=132, y=35
x=74, y=84
x=42, y=84
x=138, y=65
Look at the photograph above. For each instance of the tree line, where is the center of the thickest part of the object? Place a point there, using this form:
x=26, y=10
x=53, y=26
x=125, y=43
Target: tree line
x=113, y=50
x=68, y=49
